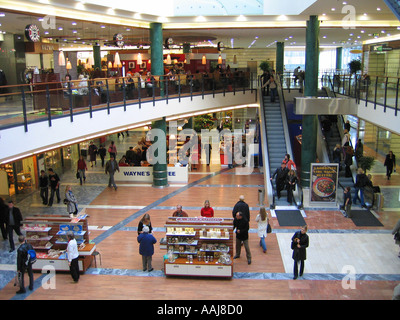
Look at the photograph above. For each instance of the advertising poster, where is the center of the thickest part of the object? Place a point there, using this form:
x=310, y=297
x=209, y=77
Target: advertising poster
x=324, y=180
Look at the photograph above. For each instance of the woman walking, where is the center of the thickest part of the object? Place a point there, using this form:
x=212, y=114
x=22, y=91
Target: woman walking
x=262, y=224
x=71, y=202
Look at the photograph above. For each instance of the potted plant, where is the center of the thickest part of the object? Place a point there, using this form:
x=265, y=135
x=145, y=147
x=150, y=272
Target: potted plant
x=354, y=66
x=366, y=163
x=264, y=66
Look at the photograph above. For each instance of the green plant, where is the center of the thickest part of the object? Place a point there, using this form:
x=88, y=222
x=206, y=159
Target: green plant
x=354, y=66
x=205, y=121
x=264, y=66
x=366, y=163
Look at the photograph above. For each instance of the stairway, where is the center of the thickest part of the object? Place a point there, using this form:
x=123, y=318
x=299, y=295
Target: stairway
x=394, y=5
x=275, y=141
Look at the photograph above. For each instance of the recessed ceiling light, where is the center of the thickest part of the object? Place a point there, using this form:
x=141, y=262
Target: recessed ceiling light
x=324, y=37
x=333, y=9
x=365, y=14
x=344, y=2
x=378, y=9
x=74, y=23
x=362, y=31
x=102, y=26
x=2, y=14
x=60, y=28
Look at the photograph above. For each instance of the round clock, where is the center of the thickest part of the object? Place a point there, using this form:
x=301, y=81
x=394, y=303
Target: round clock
x=168, y=42
x=220, y=46
x=119, y=40
x=32, y=32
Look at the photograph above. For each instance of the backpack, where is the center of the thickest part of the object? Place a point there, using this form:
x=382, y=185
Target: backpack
x=30, y=255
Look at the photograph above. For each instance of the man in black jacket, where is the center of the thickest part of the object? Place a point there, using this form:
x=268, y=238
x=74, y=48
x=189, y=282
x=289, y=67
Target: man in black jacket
x=280, y=180
x=44, y=187
x=13, y=222
x=242, y=207
x=54, y=187
x=300, y=242
x=23, y=265
x=241, y=226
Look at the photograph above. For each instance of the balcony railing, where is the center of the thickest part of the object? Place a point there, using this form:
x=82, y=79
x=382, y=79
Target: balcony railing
x=46, y=101
x=378, y=90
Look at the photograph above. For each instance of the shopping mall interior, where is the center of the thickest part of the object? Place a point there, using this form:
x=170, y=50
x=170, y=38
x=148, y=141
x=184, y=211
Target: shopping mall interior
x=179, y=89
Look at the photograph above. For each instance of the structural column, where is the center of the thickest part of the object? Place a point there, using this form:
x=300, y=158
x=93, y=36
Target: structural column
x=97, y=57
x=157, y=61
x=280, y=56
x=310, y=122
x=160, y=174
x=339, y=52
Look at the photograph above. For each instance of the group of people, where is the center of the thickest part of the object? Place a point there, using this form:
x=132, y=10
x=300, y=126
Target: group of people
x=270, y=82
x=286, y=178
x=241, y=218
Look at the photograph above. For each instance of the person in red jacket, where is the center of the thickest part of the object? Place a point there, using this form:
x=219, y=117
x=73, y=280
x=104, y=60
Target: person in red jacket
x=207, y=211
x=81, y=169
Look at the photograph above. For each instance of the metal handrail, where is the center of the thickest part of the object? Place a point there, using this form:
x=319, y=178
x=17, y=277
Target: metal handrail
x=103, y=93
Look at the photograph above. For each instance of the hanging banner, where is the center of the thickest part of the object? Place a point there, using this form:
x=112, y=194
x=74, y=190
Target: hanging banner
x=324, y=180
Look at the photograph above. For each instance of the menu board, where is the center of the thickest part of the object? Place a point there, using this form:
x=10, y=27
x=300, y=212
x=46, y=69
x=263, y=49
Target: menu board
x=324, y=180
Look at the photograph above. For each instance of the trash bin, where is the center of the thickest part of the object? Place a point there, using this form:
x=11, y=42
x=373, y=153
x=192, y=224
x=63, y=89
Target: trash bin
x=261, y=196
x=378, y=201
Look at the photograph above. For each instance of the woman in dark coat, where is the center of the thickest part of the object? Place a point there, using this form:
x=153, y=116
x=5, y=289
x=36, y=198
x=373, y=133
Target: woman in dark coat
x=390, y=164
x=300, y=242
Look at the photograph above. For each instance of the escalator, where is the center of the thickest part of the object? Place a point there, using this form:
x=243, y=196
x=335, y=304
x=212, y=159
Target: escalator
x=276, y=143
x=394, y=5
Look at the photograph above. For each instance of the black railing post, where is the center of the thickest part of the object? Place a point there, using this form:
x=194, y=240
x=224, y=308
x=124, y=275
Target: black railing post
x=191, y=88
x=48, y=104
x=376, y=92
x=108, y=97
x=70, y=102
x=90, y=99
x=139, y=87
x=166, y=91
x=179, y=87
x=124, y=92
x=23, y=98
x=202, y=86
x=386, y=85
x=153, y=91
x=397, y=97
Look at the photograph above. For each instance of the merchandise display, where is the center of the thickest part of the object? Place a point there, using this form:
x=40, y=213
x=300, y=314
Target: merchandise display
x=48, y=236
x=198, y=247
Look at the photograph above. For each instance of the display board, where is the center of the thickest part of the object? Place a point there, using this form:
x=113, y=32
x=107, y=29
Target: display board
x=324, y=181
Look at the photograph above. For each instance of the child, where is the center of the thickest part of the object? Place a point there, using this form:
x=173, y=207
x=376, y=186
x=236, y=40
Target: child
x=347, y=202
x=146, y=248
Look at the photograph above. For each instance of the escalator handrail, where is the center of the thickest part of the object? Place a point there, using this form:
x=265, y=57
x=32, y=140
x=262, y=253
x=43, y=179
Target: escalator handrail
x=264, y=147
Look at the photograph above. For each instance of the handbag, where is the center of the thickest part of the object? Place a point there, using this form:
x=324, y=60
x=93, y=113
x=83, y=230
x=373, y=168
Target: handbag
x=78, y=176
x=269, y=228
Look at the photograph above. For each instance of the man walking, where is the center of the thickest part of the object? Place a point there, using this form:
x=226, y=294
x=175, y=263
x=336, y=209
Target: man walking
x=23, y=264
x=111, y=167
x=13, y=223
x=54, y=187
x=44, y=187
x=242, y=207
x=241, y=227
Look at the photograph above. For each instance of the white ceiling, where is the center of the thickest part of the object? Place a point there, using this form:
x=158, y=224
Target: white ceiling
x=97, y=22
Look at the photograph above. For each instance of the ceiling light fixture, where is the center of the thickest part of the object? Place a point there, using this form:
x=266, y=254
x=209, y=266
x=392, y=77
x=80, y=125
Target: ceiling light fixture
x=61, y=58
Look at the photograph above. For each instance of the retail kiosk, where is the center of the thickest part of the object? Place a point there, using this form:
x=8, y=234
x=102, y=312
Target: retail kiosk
x=48, y=236
x=198, y=246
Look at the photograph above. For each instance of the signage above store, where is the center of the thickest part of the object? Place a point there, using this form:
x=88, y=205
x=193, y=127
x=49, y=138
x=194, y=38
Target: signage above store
x=380, y=48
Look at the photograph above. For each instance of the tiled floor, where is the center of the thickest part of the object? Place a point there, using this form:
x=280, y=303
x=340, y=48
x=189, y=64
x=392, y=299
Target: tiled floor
x=338, y=249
